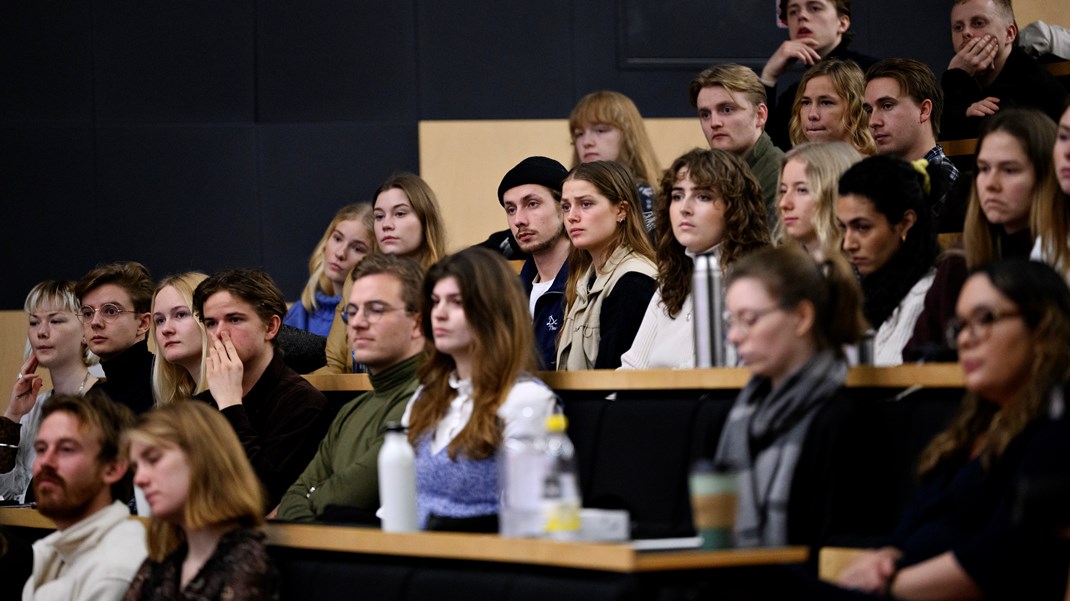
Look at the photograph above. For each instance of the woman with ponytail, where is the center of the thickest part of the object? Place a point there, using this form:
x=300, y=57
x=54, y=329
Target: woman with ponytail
x=790, y=319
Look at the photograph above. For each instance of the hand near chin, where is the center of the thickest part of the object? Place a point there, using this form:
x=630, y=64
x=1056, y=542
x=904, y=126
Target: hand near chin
x=223, y=371
x=789, y=53
x=983, y=108
x=24, y=393
x=976, y=56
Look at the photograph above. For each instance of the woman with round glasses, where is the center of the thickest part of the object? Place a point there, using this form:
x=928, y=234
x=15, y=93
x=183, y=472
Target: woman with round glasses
x=789, y=319
x=181, y=344
x=475, y=388
x=1011, y=327
x=56, y=343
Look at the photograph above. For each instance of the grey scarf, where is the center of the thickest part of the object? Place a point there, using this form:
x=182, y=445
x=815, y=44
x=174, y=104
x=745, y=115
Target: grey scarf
x=762, y=440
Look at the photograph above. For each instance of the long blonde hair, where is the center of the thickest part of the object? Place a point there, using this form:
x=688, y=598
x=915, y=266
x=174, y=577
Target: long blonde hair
x=616, y=109
x=223, y=487
x=824, y=163
x=170, y=381
x=317, y=279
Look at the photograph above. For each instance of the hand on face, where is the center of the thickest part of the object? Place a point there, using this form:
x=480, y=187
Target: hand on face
x=976, y=56
x=789, y=53
x=24, y=394
x=224, y=371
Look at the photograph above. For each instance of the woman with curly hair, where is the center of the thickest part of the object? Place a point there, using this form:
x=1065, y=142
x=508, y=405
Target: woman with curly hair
x=828, y=106
x=709, y=203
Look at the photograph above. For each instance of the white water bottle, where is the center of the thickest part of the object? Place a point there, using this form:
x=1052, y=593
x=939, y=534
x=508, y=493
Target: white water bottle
x=521, y=465
x=561, y=486
x=397, y=481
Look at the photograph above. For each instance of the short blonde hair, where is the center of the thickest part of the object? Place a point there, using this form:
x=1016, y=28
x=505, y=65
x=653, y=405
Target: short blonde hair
x=850, y=84
x=223, y=487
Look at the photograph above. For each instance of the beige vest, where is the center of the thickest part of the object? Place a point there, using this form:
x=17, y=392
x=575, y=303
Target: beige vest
x=578, y=347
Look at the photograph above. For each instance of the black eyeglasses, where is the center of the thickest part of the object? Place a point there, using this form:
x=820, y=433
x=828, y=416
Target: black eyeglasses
x=978, y=326
x=108, y=312
x=373, y=311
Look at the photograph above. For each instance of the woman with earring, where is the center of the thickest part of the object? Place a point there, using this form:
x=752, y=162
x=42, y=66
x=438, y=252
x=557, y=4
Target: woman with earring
x=56, y=342
x=610, y=268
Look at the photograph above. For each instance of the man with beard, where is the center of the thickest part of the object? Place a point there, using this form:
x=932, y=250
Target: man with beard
x=79, y=481
x=531, y=195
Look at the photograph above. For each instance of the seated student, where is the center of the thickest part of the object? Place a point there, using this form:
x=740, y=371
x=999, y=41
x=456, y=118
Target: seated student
x=383, y=316
x=279, y=417
x=116, y=299
x=80, y=482
x=474, y=387
x=882, y=209
x=607, y=126
x=348, y=239
x=731, y=104
x=989, y=72
x=530, y=193
x=806, y=213
x=1051, y=220
x=709, y=203
x=789, y=318
x=610, y=268
x=828, y=107
x=904, y=103
x=407, y=223
x=817, y=29
x=1014, y=178
x=181, y=345
x=1013, y=323
x=206, y=504
x=57, y=344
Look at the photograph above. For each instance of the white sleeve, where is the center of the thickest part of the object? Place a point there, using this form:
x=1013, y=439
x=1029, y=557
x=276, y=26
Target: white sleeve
x=638, y=356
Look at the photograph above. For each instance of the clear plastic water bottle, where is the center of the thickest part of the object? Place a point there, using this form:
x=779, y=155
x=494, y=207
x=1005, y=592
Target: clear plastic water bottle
x=397, y=481
x=561, y=489
x=521, y=465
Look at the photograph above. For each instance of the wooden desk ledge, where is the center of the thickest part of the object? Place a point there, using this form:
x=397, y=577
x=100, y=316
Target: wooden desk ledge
x=934, y=375
x=485, y=547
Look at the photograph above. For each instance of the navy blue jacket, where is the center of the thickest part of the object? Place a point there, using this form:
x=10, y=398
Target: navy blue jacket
x=549, y=312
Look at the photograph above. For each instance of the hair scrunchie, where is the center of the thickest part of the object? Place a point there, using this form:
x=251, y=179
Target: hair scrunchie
x=920, y=166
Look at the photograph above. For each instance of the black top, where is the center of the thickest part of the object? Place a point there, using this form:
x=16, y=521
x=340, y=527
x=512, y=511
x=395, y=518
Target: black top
x=780, y=106
x=239, y=569
x=129, y=378
x=1023, y=83
x=280, y=424
x=622, y=314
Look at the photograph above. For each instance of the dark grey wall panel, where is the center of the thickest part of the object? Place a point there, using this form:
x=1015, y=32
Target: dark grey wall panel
x=174, y=61
x=487, y=59
x=331, y=60
x=308, y=172
x=52, y=228
x=45, y=61
x=179, y=198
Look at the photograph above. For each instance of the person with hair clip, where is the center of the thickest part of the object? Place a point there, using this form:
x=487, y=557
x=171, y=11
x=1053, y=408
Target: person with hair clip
x=806, y=214
x=206, y=505
x=181, y=345
x=407, y=223
x=1051, y=220
x=1014, y=181
x=348, y=239
x=789, y=319
x=607, y=126
x=883, y=211
x=610, y=267
x=474, y=387
x=709, y=203
x=829, y=107
x=55, y=342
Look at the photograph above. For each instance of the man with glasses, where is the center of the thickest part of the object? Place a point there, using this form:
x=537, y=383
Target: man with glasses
x=279, y=417
x=116, y=302
x=383, y=322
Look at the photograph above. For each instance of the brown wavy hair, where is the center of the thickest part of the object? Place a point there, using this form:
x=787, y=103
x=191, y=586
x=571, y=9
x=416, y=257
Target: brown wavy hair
x=503, y=349
x=615, y=182
x=616, y=109
x=745, y=231
x=850, y=84
x=1043, y=301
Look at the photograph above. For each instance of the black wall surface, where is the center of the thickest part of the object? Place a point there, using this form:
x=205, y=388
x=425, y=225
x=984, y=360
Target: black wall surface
x=206, y=134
